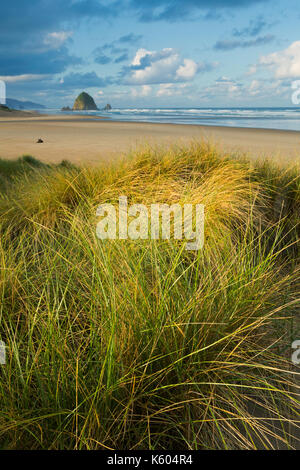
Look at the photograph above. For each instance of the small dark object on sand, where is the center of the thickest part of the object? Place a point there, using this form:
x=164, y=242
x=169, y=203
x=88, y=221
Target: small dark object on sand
x=40, y=141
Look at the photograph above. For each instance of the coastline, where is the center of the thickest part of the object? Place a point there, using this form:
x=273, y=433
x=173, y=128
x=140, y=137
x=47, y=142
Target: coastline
x=90, y=139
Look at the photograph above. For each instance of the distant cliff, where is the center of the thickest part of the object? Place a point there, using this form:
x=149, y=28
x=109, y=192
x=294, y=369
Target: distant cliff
x=84, y=102
x=17, y=104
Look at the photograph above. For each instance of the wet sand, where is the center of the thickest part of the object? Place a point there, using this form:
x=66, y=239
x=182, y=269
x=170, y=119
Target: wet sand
x=86, y=139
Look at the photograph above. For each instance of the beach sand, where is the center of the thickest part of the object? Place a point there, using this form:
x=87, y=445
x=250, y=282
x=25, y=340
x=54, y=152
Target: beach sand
x=85, y=139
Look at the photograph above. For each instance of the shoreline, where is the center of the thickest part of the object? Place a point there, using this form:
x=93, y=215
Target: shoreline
x=84, y=117
x=91, y=139
x=41, y=117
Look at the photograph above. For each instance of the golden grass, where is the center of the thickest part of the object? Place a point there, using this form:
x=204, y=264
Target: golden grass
x=142, y=344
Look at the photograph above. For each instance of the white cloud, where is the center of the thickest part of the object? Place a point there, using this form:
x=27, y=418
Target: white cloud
x=142, y=91
x=269, y=88
x=139, y=55
x=188, y=70
x=284, y=64
x=56, y=39
x=100, y=93
x=224, y=87
x=252, y=70
x=165, y=66
x=161, y=66
x=171, y=89
x=254, y=88
x=229, y=90
x=22, y=78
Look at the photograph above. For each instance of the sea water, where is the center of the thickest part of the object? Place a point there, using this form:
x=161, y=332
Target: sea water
x=264, y=118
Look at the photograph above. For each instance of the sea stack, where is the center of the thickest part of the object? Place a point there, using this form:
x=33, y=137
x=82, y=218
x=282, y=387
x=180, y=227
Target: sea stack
x=107, y=107
x=84, y=102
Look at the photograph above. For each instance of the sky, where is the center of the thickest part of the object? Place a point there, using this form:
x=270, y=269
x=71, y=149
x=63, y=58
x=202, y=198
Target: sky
x=151, y=53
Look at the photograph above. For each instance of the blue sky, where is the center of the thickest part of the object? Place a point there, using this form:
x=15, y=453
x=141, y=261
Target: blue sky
x=149, y=53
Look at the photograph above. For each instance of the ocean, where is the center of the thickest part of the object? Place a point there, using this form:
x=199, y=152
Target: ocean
x=264, y=118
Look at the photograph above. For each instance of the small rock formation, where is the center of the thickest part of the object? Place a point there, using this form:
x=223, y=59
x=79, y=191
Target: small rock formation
x=39, y=141
x=66, y=108
x=84, y=102
x=107, y=107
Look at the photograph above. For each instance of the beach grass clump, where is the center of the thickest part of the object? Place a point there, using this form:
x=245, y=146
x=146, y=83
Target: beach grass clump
x=10, y=169
x=122, y=344
x=282, y=188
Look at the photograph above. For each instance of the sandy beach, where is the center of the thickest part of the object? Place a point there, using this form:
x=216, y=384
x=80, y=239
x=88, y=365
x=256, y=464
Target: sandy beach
x=85, y=139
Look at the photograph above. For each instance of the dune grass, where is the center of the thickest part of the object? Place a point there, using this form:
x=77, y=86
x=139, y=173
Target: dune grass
x=10, y=169
x=142, y=344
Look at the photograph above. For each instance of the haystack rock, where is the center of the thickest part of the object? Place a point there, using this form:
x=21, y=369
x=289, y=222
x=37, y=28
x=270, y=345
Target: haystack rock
x=84, y=102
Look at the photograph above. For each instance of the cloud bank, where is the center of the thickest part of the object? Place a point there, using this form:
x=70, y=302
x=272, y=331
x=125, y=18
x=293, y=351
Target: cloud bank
x=165, y=66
